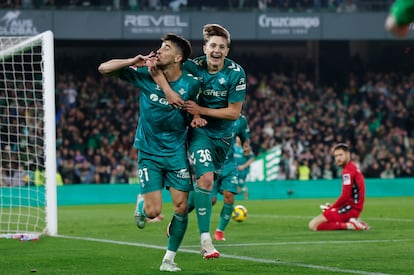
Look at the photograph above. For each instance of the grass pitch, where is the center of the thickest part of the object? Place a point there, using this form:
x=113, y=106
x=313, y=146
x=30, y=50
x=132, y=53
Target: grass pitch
x=103, y=239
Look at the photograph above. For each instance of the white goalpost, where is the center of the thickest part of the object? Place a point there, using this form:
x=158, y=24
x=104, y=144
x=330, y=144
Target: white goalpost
x=28, y=195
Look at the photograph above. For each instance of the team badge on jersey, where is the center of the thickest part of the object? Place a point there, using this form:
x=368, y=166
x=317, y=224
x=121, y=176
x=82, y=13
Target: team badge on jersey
x=181, y=91
x=346, y=178
x=241, y=85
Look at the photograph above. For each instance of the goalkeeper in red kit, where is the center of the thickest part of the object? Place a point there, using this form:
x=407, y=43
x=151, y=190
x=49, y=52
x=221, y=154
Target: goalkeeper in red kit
x=344, y=213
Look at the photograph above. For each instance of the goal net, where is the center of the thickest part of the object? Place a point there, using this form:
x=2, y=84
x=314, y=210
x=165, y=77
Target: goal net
x=28, y=203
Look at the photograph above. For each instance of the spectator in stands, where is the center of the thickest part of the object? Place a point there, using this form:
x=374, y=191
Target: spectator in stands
x=373, y=170
x=101, y=164
x=316, y=172
x=281, y=175
x=119, y=175
x=293, y=169
x=327, y=173
x=304, y=172
x=176, y=5
x=262, y=4
x=84, y=171
x=238, y=3
x=408, y=170
x=332, y=5
x=5, y=176
x=346, y=6
x=79, y=157
x=133, y=5
x=154, y=4
x=67, y=170
x=26, y=4
x=69, y=94
x=19, y=177
x=387, y=173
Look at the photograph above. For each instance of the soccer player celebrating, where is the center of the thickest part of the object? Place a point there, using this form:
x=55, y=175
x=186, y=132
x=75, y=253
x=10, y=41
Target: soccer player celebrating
x=226, y=182
x=344, y=213
x=161, y=135
x=400, y=17
x=244, y=157
x=223, y=85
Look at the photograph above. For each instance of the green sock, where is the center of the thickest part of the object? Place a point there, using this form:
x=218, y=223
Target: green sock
x=191, y=196
x=225, y=216
x=177, y=230
x=202, y=203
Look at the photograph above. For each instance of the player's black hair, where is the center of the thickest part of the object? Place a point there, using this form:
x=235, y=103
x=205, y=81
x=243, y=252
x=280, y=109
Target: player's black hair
x=342, y=146
x=183, y=44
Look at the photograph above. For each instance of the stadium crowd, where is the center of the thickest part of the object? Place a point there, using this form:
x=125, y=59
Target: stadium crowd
x=177, y=5
x=97, y=116
x=374, y=117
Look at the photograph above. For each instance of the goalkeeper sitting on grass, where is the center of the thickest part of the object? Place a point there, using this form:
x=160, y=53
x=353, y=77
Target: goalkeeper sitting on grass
x=344, y=213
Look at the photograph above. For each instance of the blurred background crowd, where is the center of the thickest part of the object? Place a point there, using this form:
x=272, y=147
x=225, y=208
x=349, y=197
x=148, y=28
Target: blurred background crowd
x=286, y=105
x=179, y=5
x=374, y=113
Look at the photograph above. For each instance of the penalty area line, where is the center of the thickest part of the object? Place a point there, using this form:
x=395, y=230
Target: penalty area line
x=243, y=258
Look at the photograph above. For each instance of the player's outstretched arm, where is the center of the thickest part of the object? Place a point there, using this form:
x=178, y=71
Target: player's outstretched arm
x=112, y=66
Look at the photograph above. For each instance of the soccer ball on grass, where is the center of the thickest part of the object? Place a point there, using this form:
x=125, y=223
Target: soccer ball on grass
x=239, y=213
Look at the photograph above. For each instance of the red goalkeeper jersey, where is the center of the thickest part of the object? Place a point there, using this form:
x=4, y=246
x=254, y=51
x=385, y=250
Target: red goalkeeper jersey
x=353, y=189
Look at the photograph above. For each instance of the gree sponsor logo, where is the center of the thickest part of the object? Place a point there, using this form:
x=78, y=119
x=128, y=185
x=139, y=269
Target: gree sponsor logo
x=214, y=93
x=156, y=98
